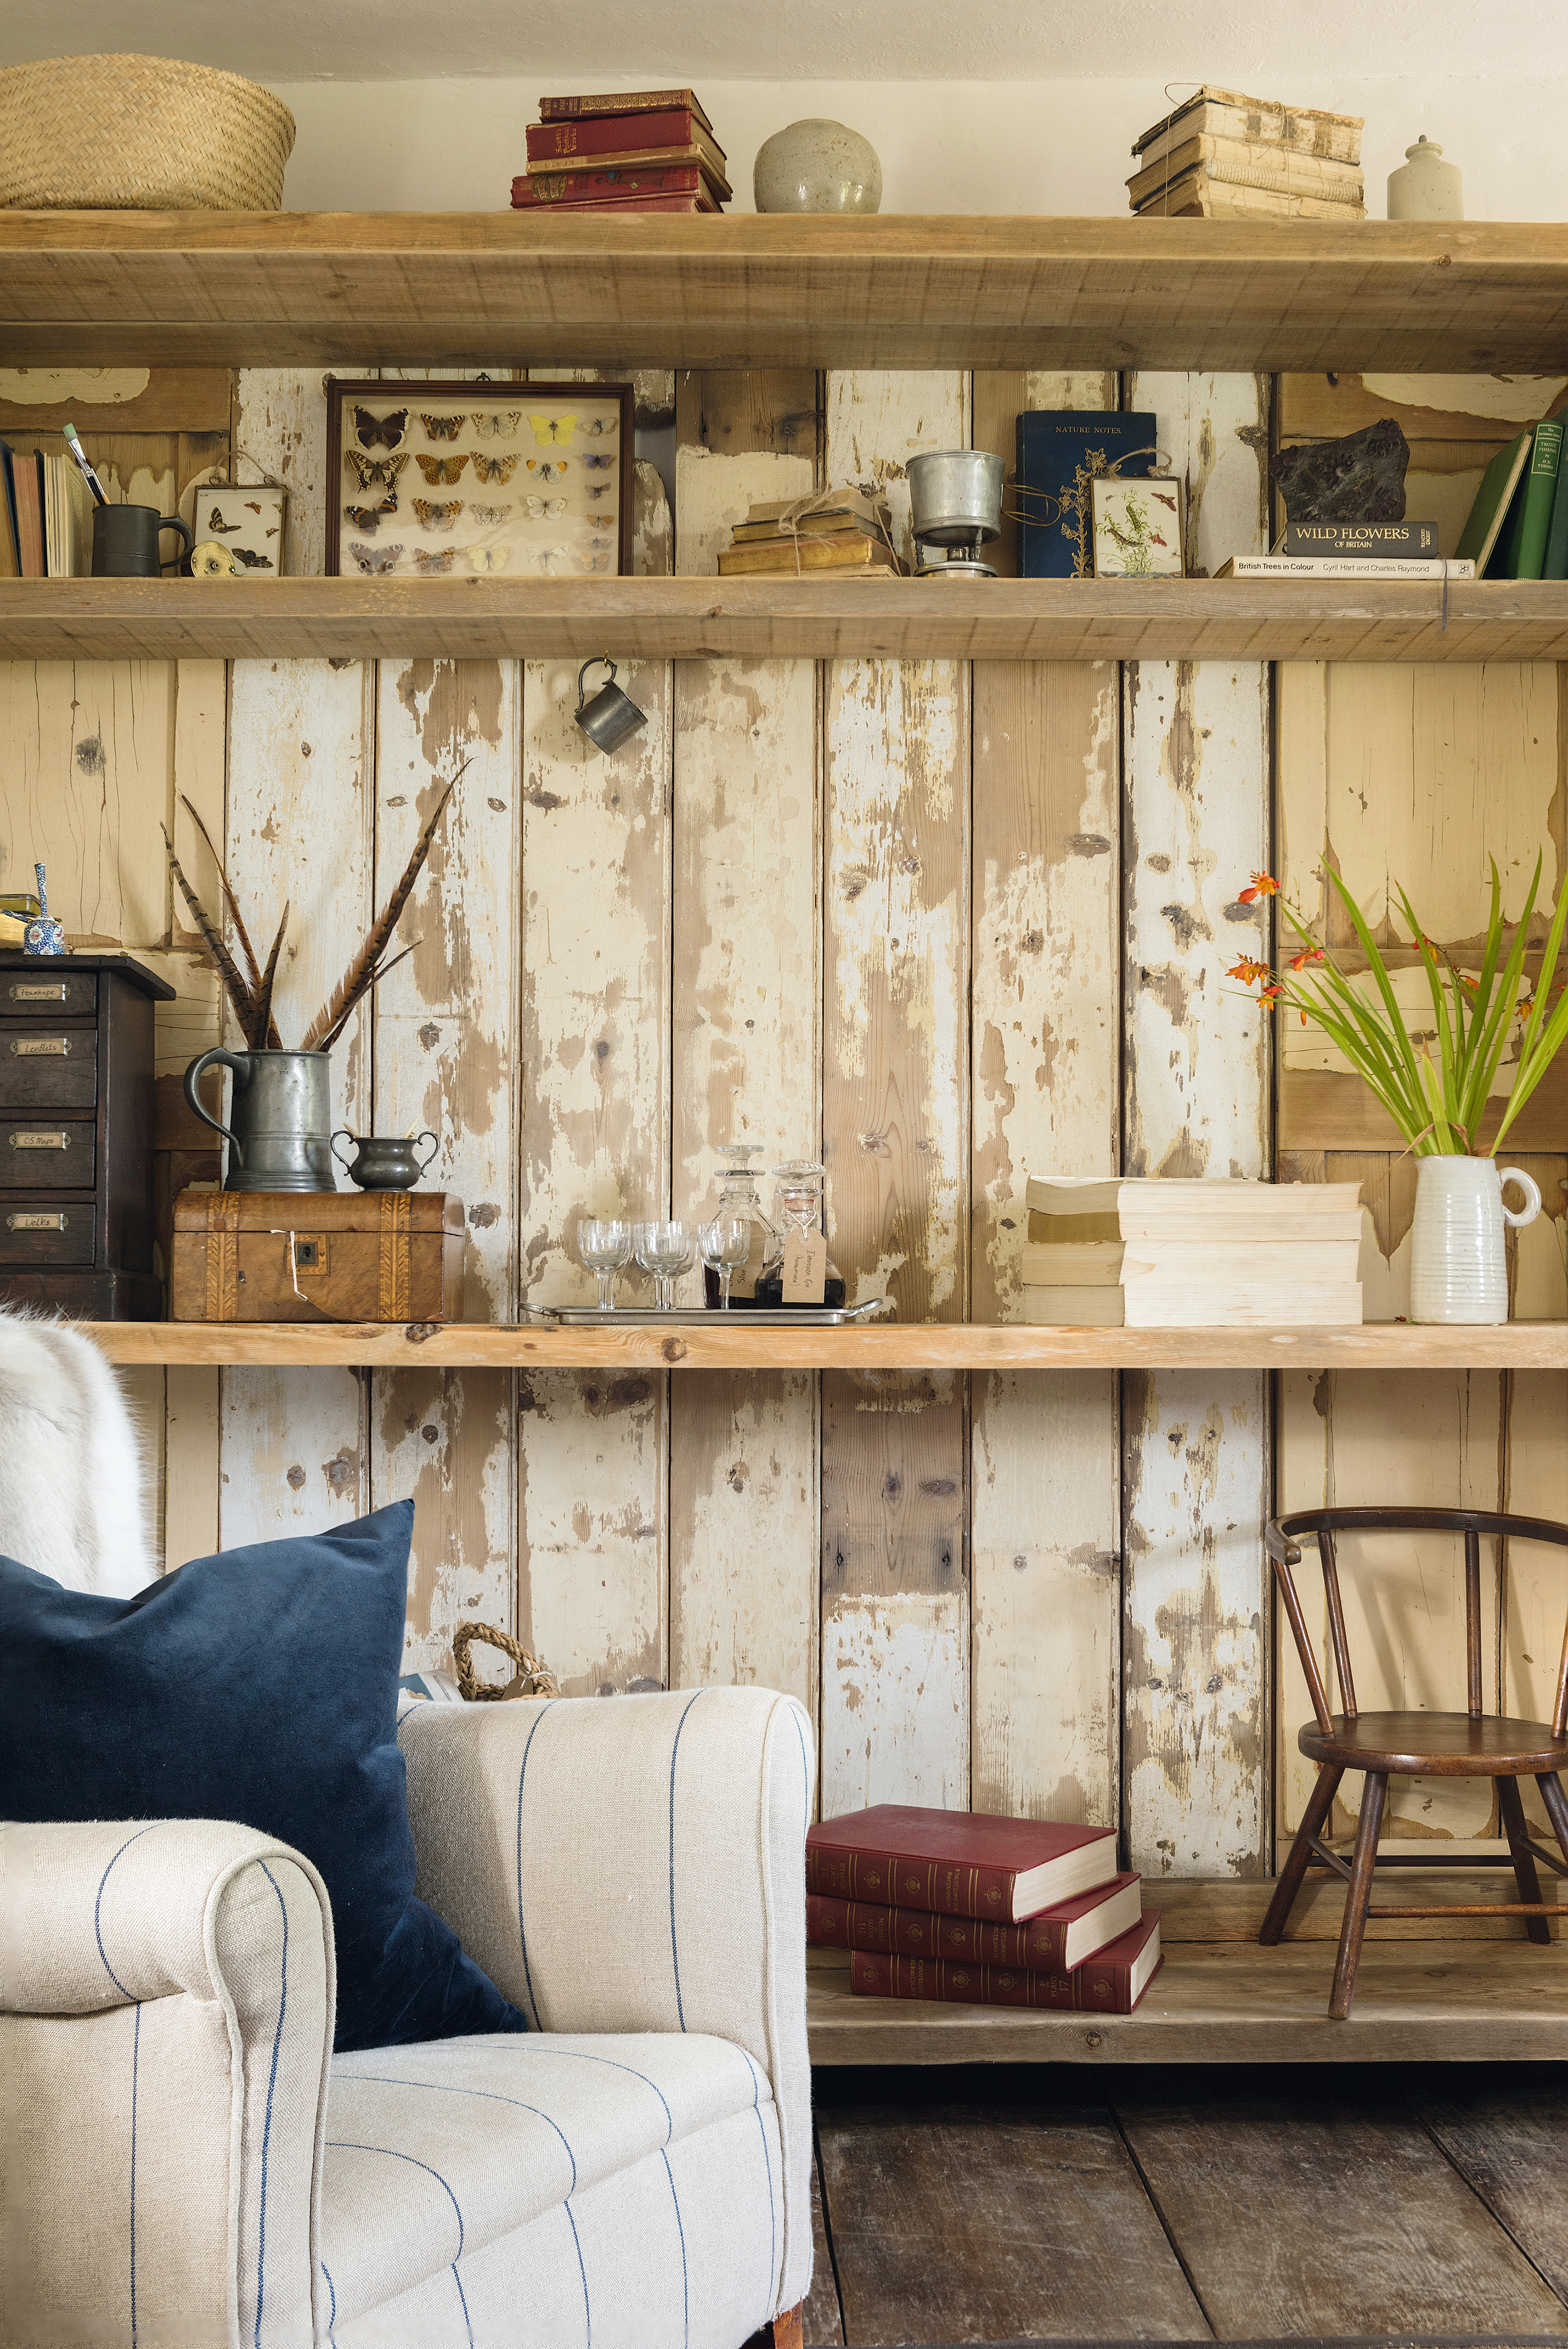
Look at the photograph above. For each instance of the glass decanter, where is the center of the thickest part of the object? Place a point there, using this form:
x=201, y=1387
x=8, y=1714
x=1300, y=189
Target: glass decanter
x=737, y=1196
x=797, y=1203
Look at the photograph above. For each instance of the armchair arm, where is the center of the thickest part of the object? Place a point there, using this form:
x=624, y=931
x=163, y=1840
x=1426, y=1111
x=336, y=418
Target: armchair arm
x=634, y=1864
x=166, y=2013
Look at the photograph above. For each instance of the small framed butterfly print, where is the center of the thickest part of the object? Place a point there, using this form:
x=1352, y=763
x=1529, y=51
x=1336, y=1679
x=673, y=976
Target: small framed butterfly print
x=504, y=480
x=248, y=522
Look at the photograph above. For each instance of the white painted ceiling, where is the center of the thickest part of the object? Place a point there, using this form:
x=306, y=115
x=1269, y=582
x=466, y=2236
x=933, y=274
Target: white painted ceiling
x=1258, y=45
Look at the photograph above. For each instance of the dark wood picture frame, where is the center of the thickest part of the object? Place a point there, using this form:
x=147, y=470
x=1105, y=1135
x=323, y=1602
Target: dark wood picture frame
x=456, y=391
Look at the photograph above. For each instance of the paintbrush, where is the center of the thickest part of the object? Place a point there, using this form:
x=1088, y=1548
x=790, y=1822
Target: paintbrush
x=100, y=495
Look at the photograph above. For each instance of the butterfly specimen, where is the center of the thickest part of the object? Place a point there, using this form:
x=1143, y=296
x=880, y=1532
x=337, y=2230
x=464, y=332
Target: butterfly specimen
x=551, y=506
x=438, y=517
x=550, y=555
x=599, y=489
x=369, y=518
x=597, y=424
x=441, y=428
x=252, y=561
x=493, y=469
x=374, y=558
x=374, y=472
x=384, y=432
x=495, y=423
x=218, y=526
x=252, y=505
x=547, y=429
x=487, y=558
x=596, y=562
x=547, y=468
x=488, y=516
x=440, y=469
x=435, y=558
x=601, y=464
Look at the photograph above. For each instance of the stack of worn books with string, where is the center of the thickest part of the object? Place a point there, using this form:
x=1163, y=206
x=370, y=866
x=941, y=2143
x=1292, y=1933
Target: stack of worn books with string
x=838, y=530
x=646, y=151
x=980, y=1911
x=1219, y=155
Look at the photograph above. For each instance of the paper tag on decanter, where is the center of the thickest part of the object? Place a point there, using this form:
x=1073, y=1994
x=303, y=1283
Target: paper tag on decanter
x=805, y=1267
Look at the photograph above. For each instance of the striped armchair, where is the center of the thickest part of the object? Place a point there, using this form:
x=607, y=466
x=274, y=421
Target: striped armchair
x=187, y=2163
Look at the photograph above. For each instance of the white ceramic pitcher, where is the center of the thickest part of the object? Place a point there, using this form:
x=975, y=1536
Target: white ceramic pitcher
x=1458, y=1270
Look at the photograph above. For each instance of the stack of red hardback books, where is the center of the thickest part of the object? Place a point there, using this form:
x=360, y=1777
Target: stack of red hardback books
x=983, y=1911
x=647, y=151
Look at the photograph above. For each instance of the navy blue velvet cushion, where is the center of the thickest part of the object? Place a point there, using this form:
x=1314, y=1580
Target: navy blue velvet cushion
x=259, y=1685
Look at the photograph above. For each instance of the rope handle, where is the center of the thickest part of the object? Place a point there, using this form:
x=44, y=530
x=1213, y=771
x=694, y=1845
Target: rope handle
x=530, y=1679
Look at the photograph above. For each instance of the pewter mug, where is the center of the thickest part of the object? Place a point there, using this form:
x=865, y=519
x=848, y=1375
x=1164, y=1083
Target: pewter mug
x=278, y=1132
x=611, y=715
x=126, y=542
x=384, y=1162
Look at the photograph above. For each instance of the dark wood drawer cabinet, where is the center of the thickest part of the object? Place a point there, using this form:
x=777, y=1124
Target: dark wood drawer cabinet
x=77, y=1104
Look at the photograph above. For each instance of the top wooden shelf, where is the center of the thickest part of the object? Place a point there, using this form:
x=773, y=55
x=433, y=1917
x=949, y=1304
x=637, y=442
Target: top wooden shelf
x=904, y=291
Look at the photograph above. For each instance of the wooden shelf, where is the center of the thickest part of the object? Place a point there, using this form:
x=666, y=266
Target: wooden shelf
x=886, y=1346
x=688, y=619
x=340, y=288
x=1430, y=1989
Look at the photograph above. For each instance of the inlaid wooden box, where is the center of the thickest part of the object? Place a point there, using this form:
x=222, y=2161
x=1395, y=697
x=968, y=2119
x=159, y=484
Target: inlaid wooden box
x=293, y=1256
x=77, y=1227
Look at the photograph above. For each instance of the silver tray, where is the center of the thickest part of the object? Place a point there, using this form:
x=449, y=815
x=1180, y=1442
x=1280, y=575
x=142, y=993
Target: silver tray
x=712, y=1316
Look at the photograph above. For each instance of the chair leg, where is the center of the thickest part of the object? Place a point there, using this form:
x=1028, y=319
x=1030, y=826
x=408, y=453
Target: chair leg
x=1556, y=1803
x=787, y=2330
x=1359, y=1894
x=1296, y=1867
x=1510, y=1814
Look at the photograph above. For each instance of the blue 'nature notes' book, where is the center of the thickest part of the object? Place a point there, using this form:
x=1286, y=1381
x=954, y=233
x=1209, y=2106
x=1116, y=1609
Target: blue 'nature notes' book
x=1060, y=451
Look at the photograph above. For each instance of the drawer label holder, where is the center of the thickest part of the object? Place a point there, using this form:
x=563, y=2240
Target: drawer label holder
x=30, y=991
x=61, y=1141
x=34, y=1223
x=41, y=1048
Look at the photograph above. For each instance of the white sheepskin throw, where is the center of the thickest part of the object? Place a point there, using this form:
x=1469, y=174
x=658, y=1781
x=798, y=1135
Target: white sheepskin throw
x=71, y=1470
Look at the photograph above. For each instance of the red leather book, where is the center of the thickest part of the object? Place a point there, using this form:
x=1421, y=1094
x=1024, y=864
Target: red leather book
x=703, y=203
x=962, y=1863
x=607, y=187
x=624, y=101
x=1108, y=1984
x=676, y=126
x=27, y=479
x=1059, y=1938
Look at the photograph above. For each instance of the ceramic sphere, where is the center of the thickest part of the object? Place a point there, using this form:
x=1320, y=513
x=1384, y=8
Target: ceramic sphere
x=817, y=166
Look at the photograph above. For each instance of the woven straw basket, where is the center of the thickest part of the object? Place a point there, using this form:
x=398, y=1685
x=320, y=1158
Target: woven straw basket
x=139, y=134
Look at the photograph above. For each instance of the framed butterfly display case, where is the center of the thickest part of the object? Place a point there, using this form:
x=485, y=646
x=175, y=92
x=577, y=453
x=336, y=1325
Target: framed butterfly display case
x=447, y=479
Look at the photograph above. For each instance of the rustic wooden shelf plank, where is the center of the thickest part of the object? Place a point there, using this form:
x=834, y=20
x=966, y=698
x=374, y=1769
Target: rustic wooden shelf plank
x=749, y=290
x=886, y=1346
x=1220, y=1998
x=682, y=619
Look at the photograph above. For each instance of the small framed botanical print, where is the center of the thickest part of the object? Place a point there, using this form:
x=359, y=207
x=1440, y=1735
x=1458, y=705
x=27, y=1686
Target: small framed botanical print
x=1138, y=528
x=432, y=480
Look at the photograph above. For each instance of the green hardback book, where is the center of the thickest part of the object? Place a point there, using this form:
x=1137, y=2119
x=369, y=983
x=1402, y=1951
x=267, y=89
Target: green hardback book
x=1531, y=517
x=1481, y=534
x=1556, y=564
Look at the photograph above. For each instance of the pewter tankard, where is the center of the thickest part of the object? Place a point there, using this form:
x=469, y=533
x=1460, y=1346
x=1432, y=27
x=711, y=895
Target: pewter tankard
x=280, y=1119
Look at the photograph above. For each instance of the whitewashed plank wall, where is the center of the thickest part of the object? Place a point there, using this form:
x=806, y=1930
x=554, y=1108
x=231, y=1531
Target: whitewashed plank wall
x=944, y=927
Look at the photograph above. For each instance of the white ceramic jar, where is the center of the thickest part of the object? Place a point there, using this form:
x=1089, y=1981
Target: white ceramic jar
x=816, y=166
x=1425, y=187
x=1458, y=1270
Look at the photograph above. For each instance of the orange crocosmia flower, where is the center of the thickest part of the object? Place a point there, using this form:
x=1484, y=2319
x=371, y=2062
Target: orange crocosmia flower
x=1263, y=885
x=1307, y=954
x=1248, y=971
x=1272, y=994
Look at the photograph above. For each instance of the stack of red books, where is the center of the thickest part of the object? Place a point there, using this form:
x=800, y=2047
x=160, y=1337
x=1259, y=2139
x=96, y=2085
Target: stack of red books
x=984, y=1911
x=647, y=151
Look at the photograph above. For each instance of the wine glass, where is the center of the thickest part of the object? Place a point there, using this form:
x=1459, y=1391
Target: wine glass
x=603, y=1245
x=664, y=1250
x=725, y=1245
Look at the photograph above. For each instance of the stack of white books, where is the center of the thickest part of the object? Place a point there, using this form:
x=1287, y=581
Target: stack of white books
x=1153, y=1254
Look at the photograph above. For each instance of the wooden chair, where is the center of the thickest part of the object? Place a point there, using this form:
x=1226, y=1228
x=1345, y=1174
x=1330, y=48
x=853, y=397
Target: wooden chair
x=1468, y=1744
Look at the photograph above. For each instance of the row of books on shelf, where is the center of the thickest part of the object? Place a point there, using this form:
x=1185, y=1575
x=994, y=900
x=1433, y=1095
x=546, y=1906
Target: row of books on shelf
x=1163, y=1253
x=46, y=516
x=980, y=1911
x=649, y=151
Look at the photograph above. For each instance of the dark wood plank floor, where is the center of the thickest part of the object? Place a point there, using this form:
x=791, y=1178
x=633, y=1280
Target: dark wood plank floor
x=1020, y=2203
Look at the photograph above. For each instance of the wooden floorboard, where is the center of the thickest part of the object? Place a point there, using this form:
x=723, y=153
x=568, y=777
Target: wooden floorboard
x=1330, y=2214
x=1423, y=1995
x=959, y=2221
x=1512, y=2142
x=823, y=2321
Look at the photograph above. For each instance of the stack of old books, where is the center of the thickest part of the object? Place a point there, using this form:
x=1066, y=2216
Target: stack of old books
x=980, y=1911
x=1169, y=1253
x=835, y=530
x=647, y=151
x=1230, y=157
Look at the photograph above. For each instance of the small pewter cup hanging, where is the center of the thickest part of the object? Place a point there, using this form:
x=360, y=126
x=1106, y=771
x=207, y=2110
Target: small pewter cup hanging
x=611, y=716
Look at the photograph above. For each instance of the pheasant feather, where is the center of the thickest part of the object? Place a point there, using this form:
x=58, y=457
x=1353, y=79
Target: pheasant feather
x=262, y=1027
x=376, y=977
x=218, y=953
x=230, y=900
x=367, y=966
